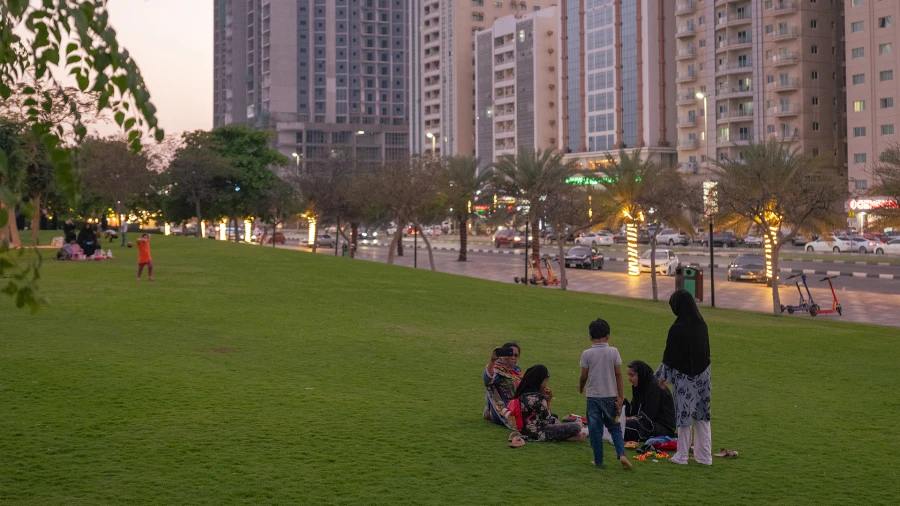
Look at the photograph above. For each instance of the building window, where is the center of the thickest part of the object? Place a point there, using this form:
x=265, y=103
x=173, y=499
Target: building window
x=813, y=24
x=885, y=48
x=884, y=22
x=498, y=5
x=856, y=26
x=814, y=49
x=887, y=129
x=886, y=75
x=859, y=131
x=815, y=126
x=859, y=158
x=857, y=3
x=858, y=52
x=862, y=184
x=815, y=151
x=887, y=103
x=859, y=79
x=859, y=106
x=815, y=75
x=815, y=101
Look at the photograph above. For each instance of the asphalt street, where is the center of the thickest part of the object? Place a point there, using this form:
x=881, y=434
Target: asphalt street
x=862, y=299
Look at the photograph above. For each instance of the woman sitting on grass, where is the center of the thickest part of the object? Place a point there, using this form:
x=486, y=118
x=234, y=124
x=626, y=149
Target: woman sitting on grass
x=651, y=412
x=501, y=377
x=538, y=423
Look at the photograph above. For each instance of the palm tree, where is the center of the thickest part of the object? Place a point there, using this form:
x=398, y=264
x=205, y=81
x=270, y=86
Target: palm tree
x=886, y=175
x=627, y=182
x=783, y=193
x=534, y=177
x=461, y=183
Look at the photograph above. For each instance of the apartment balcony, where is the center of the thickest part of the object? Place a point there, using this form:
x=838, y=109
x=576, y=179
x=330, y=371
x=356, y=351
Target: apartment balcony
x=685, y=31
x=685, y=8
x=735, y=140
x=686, y=54
x=734, y=116
x=727, y=91
x=784, y=7
x=787, y=34
x=688, y=143
x=732, y=44
x=783, y=111
x=686, y=99
x=780, y=60
x=687, y=122
x=785, y=136
x=791, y=84
x=733, y=67
x=689, y=167
x=733, y=20
x=685, y=77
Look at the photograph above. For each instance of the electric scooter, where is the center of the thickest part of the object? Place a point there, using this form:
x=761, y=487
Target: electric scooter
x=835, y=305
x=551, y=278
x=806, y=304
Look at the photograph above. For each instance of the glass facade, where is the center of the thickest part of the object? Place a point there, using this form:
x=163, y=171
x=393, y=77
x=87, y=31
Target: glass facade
x=629, y=72
x=600, y=75
x=573, y=48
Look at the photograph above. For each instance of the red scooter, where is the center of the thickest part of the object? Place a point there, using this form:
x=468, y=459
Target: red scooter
x=835, y=305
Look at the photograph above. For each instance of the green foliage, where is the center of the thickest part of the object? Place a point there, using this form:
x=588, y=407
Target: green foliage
x=628, y=181
x=212, y=387
x=886, y=175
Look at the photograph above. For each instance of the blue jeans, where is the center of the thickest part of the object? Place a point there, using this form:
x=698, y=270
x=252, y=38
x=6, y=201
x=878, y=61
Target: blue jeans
x=601, y=411
x=123, y=240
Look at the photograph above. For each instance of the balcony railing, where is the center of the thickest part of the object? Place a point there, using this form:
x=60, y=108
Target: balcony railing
x=735, y=66
x=784, y=7
x=784, y=59
x=785, y=110
x=687, y=121
x=788, y=33
x=735, y=115
x=735, y=139
x=685, y=8
x=786, y=85
x=686, y=98
x=684, y=54
x=685, y=77
x=685, y=31
x=688, y=143
x=727, y=90
x=734, y=43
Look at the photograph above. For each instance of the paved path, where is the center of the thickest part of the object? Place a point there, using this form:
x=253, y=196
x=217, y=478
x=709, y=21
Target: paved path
x=859, y=305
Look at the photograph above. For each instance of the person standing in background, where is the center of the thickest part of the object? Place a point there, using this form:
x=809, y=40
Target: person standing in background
x=123, y=229
x=144, y=259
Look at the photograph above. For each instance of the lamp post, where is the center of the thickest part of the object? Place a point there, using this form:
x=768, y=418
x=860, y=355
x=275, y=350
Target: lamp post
x=710, y=208
x=433, y=141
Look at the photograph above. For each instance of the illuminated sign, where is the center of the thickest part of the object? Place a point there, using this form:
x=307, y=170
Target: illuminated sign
x=870, y=204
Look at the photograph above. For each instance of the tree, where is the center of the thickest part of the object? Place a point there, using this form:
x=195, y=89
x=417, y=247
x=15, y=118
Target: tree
x=886, y=175
x=197, y=175
x=626, y=182
x=461, y=183
x=113, y=173
x=533, y=177
x=279, y=201
x=670, y=200
x=75, y=37
x=783, y=193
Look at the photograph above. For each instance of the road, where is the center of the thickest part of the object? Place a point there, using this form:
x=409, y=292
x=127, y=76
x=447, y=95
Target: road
x=863, y=300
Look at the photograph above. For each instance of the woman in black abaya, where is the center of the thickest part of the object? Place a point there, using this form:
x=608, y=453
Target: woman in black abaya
x=87, y=239
x=686, y=365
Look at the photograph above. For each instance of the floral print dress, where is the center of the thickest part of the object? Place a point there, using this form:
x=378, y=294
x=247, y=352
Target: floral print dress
x=540, y=424
x=692, y=394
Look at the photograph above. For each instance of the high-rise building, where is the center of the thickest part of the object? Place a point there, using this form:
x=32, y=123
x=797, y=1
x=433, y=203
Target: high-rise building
x=516, y=85
x=617, y=59
x=324, y=74
x=873, y=60
x=765, y=69
x=443, y=69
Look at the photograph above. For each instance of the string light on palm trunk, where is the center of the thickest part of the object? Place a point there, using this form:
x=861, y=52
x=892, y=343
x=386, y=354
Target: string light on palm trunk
x=222, y=231
x=770, y=247
x=631, y=232
x=311, y=236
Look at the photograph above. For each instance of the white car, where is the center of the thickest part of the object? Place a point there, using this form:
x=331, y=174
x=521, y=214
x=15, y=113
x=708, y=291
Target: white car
x=892, y=247
x=864, y=245
x=672, y=237
x=324, y=240
x=594, y=239
x=831, y=243
x=753, y=241
x=666, y=262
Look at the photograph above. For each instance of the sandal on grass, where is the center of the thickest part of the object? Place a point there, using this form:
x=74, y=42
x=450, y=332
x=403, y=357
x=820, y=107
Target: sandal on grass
x=725, y=453
x=517, y=442
x=513, y=435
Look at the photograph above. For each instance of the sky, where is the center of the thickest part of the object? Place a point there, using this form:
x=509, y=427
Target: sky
x=172, y=43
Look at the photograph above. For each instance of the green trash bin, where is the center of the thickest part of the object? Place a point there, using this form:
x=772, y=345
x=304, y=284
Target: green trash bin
x=344, y=251
x=690, y=279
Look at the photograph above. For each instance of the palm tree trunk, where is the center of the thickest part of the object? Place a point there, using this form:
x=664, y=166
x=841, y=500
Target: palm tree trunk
x=463, y=238
x=354, y=238
x=36, y=221
x=395, y=244
x=535, y=242
x=428, y=248
x=400, y=244
x=776, y=297
x=15, y=241
x=653, y=283
x=199, y=219
x=562, y=258
x=4, y=230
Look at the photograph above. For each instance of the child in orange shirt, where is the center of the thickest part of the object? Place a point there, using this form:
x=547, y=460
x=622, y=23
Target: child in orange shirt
x=144, y=259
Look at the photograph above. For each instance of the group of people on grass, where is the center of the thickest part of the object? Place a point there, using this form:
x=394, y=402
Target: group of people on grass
x=652, y=412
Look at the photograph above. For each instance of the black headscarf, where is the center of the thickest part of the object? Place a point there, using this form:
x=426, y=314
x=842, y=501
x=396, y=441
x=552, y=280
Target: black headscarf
x=531, y=381
x=647, y=389
x=687, y=347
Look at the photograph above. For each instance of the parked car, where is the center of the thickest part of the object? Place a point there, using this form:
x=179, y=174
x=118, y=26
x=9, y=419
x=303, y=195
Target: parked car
x=582, y=257
x=324, y=240
x=723, y=239
x=799, y=240
x=277, y=238
x=550, y=235
x=892, y=247
x=748, y=268
x=830, y=243
x=863, y=245
x=753, y=241
x=672, y=237
x=509, y=237
x=594, y=239
x=666, y=262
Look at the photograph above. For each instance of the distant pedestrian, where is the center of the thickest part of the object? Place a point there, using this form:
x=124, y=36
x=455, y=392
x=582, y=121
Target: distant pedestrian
x=123, y=229
x=601, y=373
x=686, y=364
x=144, y=259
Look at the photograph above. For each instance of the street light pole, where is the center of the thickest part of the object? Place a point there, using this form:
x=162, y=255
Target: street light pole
x=416, y=232
x=433, y=141
x=526, y=252
x=712, y=261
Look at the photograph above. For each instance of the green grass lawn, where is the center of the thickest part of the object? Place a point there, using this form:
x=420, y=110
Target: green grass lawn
x=249, y=375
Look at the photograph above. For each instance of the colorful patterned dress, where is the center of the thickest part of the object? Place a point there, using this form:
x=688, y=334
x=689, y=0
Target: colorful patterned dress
x=499, y=389
x=692, y=394
x=540, y=424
